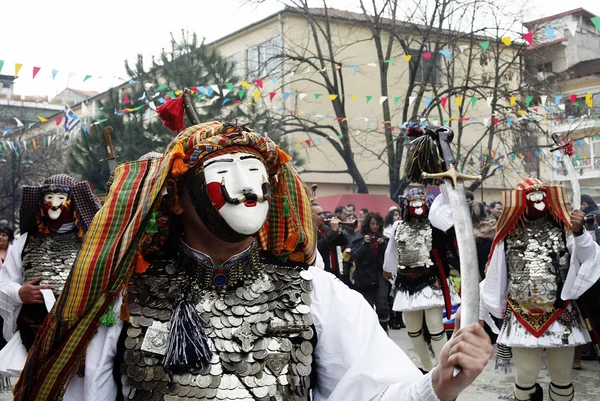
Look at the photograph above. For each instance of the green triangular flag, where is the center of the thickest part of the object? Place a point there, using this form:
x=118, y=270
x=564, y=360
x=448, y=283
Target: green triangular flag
x=596, y=137
x=317, y=95
x=576, y=104
x=171, y=94
x=229, y=86
x=201, y=96
x=445, y=121
x=390, y=61
x=86, y=78
x=369, y=98
x=473, y=101
x=241, y=93
x=513, y=156
x=485, y=45
x=528, y=100
x=596, y=22
x=161, y=88
x=340, y=137
x=396, y=99
x=1, y=64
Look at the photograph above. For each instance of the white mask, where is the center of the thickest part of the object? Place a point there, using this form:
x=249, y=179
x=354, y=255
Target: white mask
x=537, y=199
x=242, y=174
x=56, y=200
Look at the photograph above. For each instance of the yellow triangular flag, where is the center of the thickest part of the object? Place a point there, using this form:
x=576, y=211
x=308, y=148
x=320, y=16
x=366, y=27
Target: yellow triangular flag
x=506, y=40
x=354, y=97
x=459, y=101
x=333, y=97
x=513, y=100
x=407, y=58
x=522, y=112
x=245, y=84
x=178, y=92
x=42, y=119
x=256, y=95
x=18, y=68
x=589, y=101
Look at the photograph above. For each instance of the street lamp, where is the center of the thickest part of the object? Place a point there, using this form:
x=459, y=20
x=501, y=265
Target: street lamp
x=27, y=163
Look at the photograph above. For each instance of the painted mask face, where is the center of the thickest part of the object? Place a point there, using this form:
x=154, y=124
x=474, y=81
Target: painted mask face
x=536, y=203
x=56, y=203
x=237, y=185
x=417, y=206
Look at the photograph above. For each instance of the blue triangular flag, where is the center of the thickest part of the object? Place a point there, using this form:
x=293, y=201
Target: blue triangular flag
x=54, y=72
x=224, y=101
x=287, y=94
x=509, y=121
x=557, y=99
x=446, y=53
x=427, y=102
x=209, y=91
x=274, y=80
x=549, y=32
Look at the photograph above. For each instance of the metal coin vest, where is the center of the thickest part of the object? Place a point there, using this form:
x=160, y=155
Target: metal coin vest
x=413, y=239
x=260, y=335
x=537, y=261
x=51, y=258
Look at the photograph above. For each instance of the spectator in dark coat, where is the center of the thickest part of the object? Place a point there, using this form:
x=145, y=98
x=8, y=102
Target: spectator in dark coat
x=368, y=252
x=329, y=237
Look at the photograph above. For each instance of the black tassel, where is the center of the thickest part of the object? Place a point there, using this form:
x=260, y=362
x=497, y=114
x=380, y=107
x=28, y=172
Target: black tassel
x=422, y=157
x=188, y=346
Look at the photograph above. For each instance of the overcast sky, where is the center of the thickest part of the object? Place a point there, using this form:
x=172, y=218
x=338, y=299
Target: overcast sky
x=94, y=38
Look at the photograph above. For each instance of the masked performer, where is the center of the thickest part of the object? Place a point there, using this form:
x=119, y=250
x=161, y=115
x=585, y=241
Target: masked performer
x=422, y=285
x=204, y=254
x=53, y=220
x=541, y=261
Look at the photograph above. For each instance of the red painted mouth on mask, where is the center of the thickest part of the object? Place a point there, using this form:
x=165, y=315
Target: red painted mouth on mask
x=250, y=203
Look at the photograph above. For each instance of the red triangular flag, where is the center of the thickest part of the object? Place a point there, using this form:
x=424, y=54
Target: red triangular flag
x=259, y=83
x=307, y=142
x=272, y=95
x=444, y=101
x=573, y=98
x=427, y=55
x=35, y=71
x=496, y=121
x=528, y=37
x=58, y=120
x=126, y=98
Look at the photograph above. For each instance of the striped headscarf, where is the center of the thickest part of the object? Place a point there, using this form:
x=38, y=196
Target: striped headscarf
x=141, y=195
x=515, y=204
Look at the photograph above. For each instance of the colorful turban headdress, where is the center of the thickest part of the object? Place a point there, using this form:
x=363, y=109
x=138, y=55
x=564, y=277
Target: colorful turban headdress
x=134, y=222
x=515, y=204
x=85, y=203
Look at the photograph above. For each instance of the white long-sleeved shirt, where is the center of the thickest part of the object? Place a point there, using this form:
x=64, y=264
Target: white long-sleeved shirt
x=584, y=271
x=355, y=359
x=11, y=280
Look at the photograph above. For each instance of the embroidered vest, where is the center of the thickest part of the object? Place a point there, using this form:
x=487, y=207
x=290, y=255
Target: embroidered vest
x=51, y=258
x=260, y=335
x=537, y=261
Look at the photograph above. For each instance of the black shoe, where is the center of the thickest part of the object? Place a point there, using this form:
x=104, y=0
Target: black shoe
x=396, y=326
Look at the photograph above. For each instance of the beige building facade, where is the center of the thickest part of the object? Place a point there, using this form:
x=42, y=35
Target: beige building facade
x=299, y=90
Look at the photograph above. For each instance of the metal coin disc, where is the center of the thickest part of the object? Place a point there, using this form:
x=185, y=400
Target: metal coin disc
x=306, y=275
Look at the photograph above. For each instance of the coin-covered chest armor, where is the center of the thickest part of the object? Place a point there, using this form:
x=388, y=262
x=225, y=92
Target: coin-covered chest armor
x=413, y=239
x=537, y=262
x=260, y=335
x=50, y=258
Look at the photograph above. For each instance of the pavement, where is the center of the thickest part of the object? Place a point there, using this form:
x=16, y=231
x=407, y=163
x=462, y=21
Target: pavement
x=492, y=385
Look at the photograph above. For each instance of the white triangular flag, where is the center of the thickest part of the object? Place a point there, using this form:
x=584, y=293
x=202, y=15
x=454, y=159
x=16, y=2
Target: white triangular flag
x=486, y=122
x=543, y=98
x=212, y=100
x=291, y=74
x=382, y=99
x=225, y=92
x=489, y=100
x=71, y=74
x=152, y=105
x=572, y=27
x=84, y=110
x=411, y=100
x=301, y=96
x=19, y=123
x=372, y=65
x=215, y=88
x=463, y=47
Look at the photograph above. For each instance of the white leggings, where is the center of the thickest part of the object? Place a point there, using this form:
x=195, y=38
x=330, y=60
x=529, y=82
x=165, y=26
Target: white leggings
x=414, y=325
x=560, y=366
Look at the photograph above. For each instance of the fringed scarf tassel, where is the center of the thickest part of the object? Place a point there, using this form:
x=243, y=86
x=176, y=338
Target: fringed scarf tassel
x=187, y=348
x=503, y=357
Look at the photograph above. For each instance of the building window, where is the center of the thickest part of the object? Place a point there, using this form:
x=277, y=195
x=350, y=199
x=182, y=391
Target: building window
x=546, y=66
x=236, y=61
x=423, y=70
x=265, y=59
